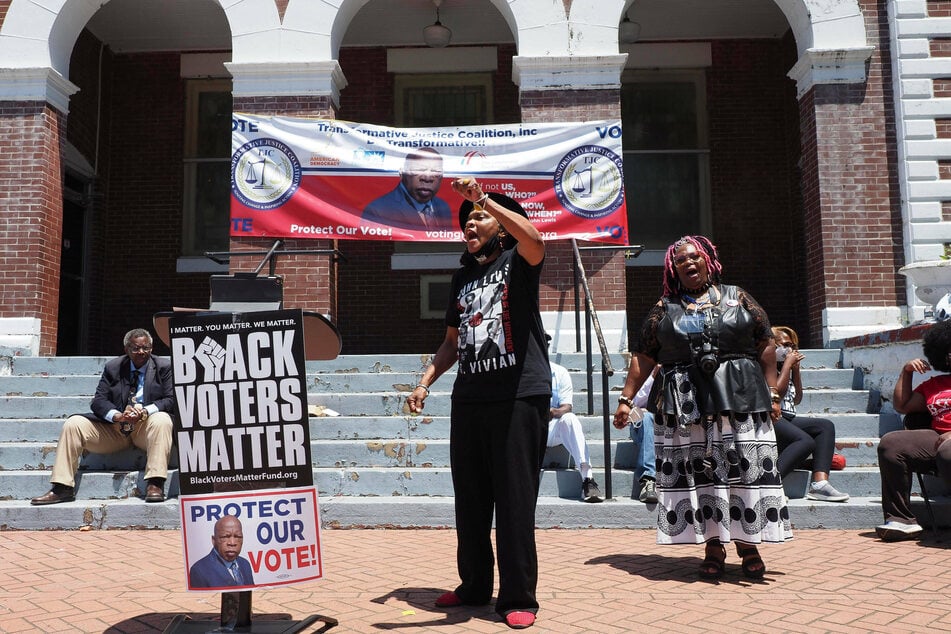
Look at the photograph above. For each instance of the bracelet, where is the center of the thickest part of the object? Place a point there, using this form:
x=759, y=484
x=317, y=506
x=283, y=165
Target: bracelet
x=623, y=400
x=775, y=398
x=481, y=202
x=424, y=387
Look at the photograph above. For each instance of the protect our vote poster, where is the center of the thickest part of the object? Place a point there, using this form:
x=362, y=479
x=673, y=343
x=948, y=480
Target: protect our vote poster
x=250, y=515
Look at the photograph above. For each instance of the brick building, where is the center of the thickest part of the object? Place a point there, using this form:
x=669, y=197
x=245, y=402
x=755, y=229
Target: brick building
x=808, y=139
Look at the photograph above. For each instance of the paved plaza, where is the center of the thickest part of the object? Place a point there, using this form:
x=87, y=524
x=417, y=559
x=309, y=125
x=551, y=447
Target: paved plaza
x=591, y=580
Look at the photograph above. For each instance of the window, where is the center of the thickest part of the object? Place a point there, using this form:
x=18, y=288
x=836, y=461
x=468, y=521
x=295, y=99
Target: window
x=207, y=162
x=434, y=295
x=424, y=101
x=666, y=155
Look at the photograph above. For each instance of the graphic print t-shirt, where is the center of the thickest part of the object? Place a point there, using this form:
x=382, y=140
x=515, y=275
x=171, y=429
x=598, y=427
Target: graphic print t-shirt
x=937, y=393
x=502, y=348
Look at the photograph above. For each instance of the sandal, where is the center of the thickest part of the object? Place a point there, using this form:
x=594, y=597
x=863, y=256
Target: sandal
x=711, y=567
x=753, y=565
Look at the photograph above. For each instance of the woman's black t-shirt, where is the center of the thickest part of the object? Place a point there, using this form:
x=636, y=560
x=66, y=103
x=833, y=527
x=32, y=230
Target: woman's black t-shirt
x=503, y=353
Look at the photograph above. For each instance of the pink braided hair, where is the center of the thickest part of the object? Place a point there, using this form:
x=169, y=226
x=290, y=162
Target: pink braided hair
x=672, y=287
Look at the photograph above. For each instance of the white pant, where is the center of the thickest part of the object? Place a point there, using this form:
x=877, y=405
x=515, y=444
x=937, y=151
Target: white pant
x=567, y=431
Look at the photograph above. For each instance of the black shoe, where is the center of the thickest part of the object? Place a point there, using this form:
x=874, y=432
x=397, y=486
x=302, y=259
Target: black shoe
x=155, y=491
x=590, y=491
x=59, y=493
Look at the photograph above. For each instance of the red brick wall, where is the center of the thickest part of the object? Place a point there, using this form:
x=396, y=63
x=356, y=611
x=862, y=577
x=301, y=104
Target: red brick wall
x=939, y=8
x=750, y=102
x=32, y=135
x=858, y=224
x=940, y=47
x=941, y=87
x=540, y=106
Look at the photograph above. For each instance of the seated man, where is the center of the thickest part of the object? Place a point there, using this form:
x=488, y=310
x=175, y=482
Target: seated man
x=902, y=452
x=642, y=435
x=132, y=407
x=564, y=428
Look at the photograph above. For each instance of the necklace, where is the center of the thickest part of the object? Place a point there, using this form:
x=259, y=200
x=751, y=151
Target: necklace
x=700, y=300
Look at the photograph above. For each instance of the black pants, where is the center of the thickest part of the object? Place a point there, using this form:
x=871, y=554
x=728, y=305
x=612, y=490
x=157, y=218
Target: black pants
x=496, y=451
x=801, y=436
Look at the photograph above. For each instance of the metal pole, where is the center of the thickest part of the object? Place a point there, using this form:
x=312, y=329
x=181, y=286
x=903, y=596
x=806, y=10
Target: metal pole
x=605, y=405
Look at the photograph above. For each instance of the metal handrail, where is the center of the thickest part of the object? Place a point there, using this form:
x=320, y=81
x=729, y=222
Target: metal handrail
x=591, y=320
x=222, y=257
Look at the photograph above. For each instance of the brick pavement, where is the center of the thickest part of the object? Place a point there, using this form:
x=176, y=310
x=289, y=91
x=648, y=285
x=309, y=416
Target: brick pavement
x=591, y=580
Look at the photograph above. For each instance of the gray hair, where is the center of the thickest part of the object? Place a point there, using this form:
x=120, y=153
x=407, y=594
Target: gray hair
x=135, y=333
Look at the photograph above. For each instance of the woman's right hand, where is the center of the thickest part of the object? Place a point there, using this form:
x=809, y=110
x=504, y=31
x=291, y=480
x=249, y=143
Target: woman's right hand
x=917, y=365
x=417, y=399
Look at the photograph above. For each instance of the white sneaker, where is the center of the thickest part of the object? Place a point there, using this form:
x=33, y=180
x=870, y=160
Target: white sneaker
x=892, y=531
x=824, y=492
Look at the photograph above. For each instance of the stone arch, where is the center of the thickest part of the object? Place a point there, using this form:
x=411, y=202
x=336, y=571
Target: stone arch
x=816, y=24
x=825, y=24
x=313, y=31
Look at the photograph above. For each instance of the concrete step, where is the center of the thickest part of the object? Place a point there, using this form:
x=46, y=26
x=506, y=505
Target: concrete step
x=46, y=430
x=393, y=403
x=385, y=452
x=416, y=481
x=72, y=385
x=357, y=512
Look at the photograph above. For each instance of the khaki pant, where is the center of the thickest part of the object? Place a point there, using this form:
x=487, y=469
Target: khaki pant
x=153, y=435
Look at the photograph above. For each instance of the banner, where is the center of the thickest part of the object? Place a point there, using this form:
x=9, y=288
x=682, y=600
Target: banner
x=248, y=504
x=317, y=178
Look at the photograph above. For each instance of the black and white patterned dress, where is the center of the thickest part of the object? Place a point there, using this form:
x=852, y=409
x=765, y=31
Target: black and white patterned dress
x=717, y=475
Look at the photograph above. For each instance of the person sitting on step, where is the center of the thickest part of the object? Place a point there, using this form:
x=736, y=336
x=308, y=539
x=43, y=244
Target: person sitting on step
x=905, y=451
x=642, y=435
x=564, y=428
x=798, y=437
x=133, y=406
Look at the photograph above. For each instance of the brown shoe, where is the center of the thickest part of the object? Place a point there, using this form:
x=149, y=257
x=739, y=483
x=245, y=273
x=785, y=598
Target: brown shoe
x=154, y=493
x=59, y=493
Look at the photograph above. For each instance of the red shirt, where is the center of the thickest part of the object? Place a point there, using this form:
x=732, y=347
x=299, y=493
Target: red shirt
x=937, y=393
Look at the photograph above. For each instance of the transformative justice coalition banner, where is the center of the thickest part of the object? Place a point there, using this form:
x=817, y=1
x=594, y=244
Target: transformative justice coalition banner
x=248, y=501
x=318, y=178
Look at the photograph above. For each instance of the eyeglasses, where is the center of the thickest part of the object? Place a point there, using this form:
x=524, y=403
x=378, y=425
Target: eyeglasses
x=139, y=348
x=693, y=258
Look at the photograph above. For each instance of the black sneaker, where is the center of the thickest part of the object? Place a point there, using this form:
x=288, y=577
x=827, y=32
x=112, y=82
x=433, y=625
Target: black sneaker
x=590, y=491
x=648, y=491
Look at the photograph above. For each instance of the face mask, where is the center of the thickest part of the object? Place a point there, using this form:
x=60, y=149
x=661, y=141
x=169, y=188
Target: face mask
x=781, y=353
x=482, y=254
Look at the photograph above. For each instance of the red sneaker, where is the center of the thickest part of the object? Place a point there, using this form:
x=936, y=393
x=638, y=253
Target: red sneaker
x=448, y=600
x=838, y=462
x=519, y=620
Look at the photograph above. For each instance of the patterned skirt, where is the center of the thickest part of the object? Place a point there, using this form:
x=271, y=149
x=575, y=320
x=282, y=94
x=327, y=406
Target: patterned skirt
x=718, y=479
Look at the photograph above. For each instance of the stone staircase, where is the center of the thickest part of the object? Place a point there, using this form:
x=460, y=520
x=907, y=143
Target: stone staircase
x=376, y=465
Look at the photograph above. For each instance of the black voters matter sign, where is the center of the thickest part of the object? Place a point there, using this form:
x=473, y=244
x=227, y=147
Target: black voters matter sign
x=240, y=385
